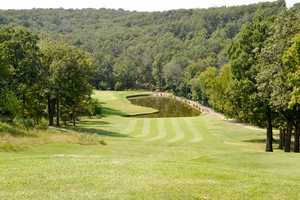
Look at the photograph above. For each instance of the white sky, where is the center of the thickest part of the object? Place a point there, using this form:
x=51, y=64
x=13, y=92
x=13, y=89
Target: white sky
x=139, y=5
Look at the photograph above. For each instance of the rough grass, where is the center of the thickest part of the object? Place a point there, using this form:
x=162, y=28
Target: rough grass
x=14, y=139
x=174, y=158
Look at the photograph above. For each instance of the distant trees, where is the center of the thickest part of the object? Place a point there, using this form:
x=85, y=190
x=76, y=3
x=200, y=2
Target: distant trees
x=217, y=85
x=104, y=72
x=173, y=73
x=142, y=50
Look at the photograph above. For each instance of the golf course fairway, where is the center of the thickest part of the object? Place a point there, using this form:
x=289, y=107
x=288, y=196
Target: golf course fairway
x=202, y=157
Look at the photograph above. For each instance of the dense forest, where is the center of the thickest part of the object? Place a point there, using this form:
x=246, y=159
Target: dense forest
x=157, y=50
x=242, y=61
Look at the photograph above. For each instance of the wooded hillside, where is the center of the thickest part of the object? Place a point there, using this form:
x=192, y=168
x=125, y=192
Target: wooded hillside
x=140, y=49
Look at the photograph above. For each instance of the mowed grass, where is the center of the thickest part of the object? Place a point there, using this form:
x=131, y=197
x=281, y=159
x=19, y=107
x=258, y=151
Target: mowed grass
x=201, y=157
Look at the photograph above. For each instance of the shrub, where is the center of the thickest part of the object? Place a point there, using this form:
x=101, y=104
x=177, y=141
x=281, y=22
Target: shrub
x=24, y=123
x=43, y=124
x=93, y=107
x=118, y=86
x=6, y=128
x=9, y=104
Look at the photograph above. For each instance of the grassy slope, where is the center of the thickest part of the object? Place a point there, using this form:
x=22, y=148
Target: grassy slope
x=175, y=158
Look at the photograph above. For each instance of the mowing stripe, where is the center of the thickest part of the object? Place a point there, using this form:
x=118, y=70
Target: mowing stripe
x=138, y=127
x=152, y=130
x=196, y=134
x=178, y=131
x=161, y=132
x=131, y=126
x=146, y=128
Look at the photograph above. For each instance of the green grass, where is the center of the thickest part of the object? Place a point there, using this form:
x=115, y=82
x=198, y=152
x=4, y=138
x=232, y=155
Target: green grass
x=173, y=158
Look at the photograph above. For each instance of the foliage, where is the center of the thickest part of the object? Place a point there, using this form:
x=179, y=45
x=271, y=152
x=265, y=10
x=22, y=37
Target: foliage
x=33, y=77
x=23, y=73
x=135, y=49
x=291, y=58
x=69, y=76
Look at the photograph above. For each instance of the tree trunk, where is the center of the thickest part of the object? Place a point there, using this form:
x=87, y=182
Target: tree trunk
x=57, y=112
x=23, y=107
x=288, y=134
x=269, y=140
x=50, y=112
x=297, y=137
x=281, y=138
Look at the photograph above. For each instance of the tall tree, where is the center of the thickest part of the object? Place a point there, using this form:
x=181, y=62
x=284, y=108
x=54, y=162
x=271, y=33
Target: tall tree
x=69, y=77
x=243, y=55
x=272, y=78
x=22, y=72
x=291, y=59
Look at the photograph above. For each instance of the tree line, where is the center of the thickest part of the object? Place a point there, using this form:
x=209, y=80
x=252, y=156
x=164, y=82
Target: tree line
x=260, y=84
x=42, y=79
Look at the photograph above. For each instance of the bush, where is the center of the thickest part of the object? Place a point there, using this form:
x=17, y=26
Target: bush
x=94, y=107
x=9, y=104
x=24, y=123
x=43, y=124
x=118, y=86
x=12, y=130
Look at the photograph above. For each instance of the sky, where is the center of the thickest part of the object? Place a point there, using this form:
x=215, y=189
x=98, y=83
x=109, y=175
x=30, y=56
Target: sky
x=139, y=5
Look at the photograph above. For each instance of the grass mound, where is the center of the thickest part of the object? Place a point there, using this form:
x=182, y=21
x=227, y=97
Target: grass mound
x=15, y=139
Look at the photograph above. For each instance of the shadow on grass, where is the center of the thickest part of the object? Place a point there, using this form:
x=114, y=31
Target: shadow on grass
x=260, y=141
x=105, y=111
x=95, y=122
x=98, y=132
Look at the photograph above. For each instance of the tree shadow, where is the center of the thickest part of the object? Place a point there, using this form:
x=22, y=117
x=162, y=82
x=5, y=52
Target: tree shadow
x=99, y=132
x=89, y=122
x=106, y=111
x=275, y=141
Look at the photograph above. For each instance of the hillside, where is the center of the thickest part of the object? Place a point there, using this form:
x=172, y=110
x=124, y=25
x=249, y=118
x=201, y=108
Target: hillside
x=140, y=49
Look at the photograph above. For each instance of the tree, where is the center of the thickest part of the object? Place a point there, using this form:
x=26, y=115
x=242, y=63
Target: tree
x=125, y=73
x=291, y=59
x=222, y=90
x=104, y=74
x=243, y=56
x=21, y=71
x=273, y=74
x=207, y=83
x=173, y=73
x=69, y=77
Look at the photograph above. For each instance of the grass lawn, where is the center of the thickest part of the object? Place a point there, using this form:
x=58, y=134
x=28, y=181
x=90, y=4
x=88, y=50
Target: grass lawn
x=171, y=158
